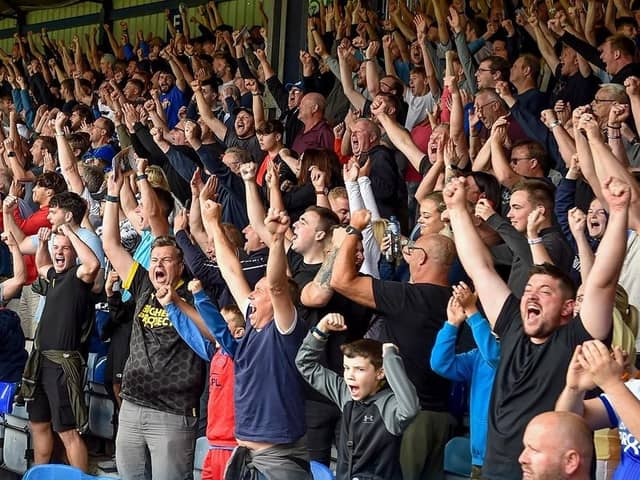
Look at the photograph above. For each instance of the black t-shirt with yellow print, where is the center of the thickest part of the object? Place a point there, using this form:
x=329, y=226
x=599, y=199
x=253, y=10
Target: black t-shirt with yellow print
x=162, y=372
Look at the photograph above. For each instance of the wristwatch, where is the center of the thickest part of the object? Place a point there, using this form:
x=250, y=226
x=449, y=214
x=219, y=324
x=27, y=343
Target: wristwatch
x=351, y=230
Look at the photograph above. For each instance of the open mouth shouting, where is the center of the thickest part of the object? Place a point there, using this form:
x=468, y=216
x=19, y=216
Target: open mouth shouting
x=355, y=391
x=533, y=311
x=59, y=261
x=160, y=276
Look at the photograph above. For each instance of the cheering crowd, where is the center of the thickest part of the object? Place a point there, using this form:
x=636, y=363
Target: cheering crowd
x=447, y=196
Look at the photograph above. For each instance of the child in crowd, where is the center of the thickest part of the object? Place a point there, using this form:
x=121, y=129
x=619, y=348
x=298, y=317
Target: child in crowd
x=477, y=366
x=226, y=327
x=374, y=414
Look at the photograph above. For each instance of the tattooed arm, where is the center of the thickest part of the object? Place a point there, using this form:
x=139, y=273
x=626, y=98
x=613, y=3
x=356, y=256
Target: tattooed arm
x=318, y=292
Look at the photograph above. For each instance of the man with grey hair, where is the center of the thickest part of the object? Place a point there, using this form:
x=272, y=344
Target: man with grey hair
x=389, y=188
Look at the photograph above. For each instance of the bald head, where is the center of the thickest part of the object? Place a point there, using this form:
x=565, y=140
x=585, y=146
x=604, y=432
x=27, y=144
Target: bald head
x=557, y=445
x=440, y=249
x=316, y=99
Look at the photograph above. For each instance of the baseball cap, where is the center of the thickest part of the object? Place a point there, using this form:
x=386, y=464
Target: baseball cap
x=299, y=85
x=237, y=110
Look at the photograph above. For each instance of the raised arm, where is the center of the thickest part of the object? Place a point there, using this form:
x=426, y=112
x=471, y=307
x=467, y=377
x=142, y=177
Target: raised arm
x=606, y=370
x=577, y=223
x=225, y=253
x=427, y=60
x=113, y=43
x=539, y=253
x=217, y=127
x=151, y=207
x=322, y=379
x=572, y=397
x=546, y=49
x=441, y=17
x=284, y=311
x=401, y=138
x=255, y=207
x=195, y=217
x=66, y=159
x=632, y=85
x=113, y=249
x=345, y=279
x=12, y=286
x=43, y=258
x=258, y=107
x=457, y=120
x=355, y=98
x=609, y=166
x=89, y=263
x=600, y=287
x=499, y=161
x=473, y=253
x=318, y=292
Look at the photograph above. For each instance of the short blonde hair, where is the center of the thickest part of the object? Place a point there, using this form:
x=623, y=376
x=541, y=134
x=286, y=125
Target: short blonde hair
x=157, y=178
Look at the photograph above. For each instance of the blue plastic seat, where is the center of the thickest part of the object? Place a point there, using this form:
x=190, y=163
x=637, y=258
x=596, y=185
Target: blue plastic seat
x=58, y=472
x=7, y=392
x=53, y=472
x=457, y=458
x=202, y=448
x=100, y=371
x=320, y=471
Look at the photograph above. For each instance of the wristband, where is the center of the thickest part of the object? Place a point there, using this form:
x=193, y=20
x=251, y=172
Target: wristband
x=142, y=176
x=59, y=134
x=614, y=137
x=554, y=124
x=322, y=192
x=535, y=241
x=613, y=126
x=320, y=333
x=112, y=198
x=351, y=230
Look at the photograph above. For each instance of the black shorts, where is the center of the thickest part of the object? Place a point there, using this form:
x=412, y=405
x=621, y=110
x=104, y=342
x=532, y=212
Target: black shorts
x=51, y=401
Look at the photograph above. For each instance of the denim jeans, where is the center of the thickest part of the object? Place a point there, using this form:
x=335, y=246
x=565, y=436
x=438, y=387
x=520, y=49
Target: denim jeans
x=154, y=444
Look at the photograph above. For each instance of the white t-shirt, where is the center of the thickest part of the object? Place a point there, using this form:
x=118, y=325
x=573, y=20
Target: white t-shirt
x=418, y=107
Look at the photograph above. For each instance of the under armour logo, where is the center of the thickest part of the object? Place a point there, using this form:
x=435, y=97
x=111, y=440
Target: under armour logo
x=368, y=419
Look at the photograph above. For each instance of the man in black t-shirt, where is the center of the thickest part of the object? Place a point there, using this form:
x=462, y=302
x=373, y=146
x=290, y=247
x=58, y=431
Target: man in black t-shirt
x=538, y=333
x=163, y=378
x=57, y=401
x=413, y=314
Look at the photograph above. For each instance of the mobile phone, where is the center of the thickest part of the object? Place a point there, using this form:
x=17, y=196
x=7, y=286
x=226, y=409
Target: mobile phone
x=241, y=34
x=115, y=168
x=363, y=158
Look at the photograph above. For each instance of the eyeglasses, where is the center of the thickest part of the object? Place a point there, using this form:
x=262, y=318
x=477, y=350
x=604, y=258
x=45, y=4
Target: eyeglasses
x=387, y=87
x=480, y=107
x=479, y=69
x=410, y=246
x=602, y=100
